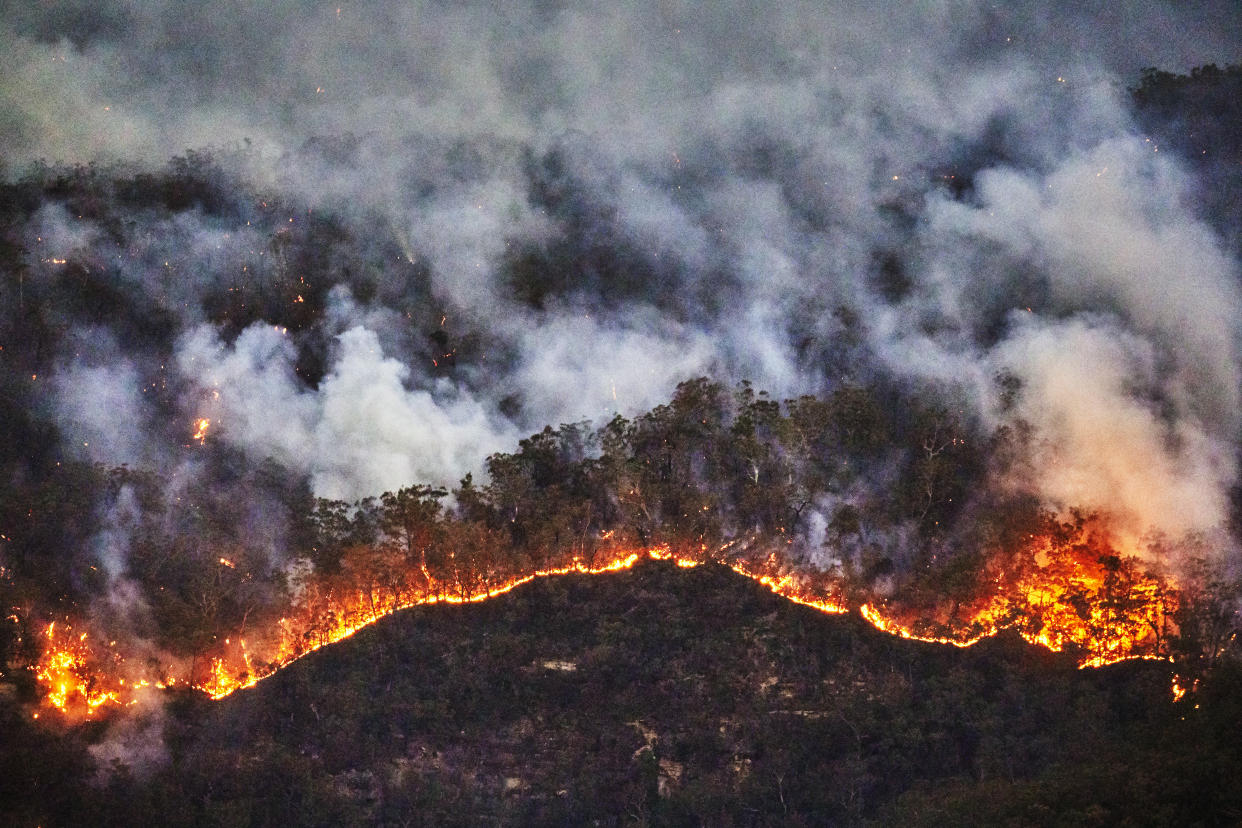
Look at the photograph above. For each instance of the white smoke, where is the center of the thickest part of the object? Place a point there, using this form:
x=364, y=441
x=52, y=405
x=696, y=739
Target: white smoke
x=1101, y=441
x=361, y=432
x=1129, y=360
x=745, y=168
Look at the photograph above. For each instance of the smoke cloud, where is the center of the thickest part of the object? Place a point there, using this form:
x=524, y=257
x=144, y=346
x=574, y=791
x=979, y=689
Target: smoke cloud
x=1127, y=344
x=542, y=212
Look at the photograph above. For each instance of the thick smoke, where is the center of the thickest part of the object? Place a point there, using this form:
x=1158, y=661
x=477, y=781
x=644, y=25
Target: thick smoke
x=691, y=190
x=529, y=213
x=1127, y=343
x=361, y=433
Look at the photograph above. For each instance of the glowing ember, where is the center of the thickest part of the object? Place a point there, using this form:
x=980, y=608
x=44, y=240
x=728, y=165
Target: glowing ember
x=200, y=430
x=73, y=680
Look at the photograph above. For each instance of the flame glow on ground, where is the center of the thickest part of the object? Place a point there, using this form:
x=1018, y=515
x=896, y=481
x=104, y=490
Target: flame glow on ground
x=1081, y=603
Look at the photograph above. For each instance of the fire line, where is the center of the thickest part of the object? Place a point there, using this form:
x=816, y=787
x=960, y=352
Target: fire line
x=78, y=682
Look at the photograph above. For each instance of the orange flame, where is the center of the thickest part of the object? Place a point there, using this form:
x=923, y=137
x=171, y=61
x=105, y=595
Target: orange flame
x=1073, y=595
x=200, y=430
x=1065, y=603
x=72, y=680
x=1179, y=690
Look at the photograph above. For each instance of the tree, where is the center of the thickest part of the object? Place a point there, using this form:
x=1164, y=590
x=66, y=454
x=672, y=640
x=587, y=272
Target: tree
x=1207, y=617
x=408, y=519
x=942, y=465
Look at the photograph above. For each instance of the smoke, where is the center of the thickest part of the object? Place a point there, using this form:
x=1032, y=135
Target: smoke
x=361, y=432
x=1125, y=337
x=134, y=742
x=450, y=224
x=1101, y=442
x=100, y=411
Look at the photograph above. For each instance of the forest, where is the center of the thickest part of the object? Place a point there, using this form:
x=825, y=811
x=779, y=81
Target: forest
x=220, y=555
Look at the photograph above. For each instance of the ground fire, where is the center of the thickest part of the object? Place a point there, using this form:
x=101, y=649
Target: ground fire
x=1074, y=594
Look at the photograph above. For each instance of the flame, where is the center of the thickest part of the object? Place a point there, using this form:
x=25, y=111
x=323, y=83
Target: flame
x=341, y=616
x=73, y=681
x=893, y=627
x=1070, y=597
x=200, y=430
x=1074, y=594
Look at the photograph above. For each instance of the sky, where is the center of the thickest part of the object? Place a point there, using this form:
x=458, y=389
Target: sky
x=795, y=194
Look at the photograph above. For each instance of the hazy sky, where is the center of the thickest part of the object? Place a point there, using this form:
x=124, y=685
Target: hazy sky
x=150, y=79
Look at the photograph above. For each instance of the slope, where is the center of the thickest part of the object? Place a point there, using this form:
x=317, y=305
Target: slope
x=670, y=696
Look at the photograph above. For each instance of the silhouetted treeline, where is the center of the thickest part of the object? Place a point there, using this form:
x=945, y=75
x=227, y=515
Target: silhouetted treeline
x=1199, y=116
x=717, y=473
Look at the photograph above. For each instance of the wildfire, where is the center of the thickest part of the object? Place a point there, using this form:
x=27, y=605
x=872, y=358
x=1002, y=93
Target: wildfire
x=1071, y=594
x=892, y=627
x=1075, y=600
x=789, y=586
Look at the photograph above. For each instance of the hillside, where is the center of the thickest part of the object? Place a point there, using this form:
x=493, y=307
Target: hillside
x=666, y=696
x=548, y=413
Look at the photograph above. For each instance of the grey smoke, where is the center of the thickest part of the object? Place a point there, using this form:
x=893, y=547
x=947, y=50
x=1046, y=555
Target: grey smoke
x=750, y=166
x=360, y=433
x=1129, y=358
